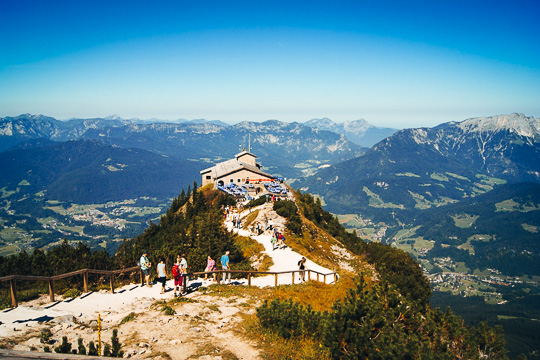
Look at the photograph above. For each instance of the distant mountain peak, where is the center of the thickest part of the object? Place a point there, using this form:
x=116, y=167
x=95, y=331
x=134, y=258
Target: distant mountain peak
x=358, y=131
x=113, y=117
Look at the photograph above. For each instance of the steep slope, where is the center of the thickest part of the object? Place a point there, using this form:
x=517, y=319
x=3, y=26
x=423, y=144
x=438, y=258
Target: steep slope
x=93, y=172
x=497, y=230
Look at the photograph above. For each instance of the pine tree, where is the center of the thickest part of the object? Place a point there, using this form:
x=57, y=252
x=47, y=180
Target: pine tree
x=115, y=347
x=63, y=348
x=92, y=351
x=82, y=349
x=106, y=350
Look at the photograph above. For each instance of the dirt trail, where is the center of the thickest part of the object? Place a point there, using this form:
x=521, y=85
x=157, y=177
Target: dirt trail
x=203, y=326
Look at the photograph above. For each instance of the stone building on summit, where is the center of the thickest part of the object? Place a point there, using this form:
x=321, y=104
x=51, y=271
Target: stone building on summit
x=242, y=169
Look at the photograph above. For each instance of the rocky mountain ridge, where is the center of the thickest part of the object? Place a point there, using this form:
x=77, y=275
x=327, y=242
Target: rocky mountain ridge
x=358, y=131
x=269, y=140
x=425, y=167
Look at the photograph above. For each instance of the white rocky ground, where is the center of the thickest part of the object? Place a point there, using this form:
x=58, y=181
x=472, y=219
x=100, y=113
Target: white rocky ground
x=203, y=327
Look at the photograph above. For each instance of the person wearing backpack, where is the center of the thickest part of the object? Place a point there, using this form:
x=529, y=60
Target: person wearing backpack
x=177, y=276
x=302, y=268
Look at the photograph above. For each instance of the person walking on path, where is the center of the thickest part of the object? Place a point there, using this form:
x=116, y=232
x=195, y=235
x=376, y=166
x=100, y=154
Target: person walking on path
x=302, y=268
x=162, y=276
x=145, y=265
x=210, y=266
x=177, y=276
x=273, y=241
x=225, y=265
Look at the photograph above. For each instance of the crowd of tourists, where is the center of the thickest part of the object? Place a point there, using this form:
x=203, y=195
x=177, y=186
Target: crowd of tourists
x=274, y=189
x=179, y=271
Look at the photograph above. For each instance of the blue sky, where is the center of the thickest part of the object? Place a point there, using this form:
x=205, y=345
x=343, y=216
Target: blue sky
x=394, y=63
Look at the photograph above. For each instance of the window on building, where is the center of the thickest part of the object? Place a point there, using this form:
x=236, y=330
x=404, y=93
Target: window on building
x=239, y=181
x=208, y=177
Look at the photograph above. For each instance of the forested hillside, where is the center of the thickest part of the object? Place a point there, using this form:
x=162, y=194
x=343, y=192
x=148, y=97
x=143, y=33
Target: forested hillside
x=381, y=317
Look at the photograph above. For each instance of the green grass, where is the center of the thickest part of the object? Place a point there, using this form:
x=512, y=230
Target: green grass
x=377, y=202
x=11, y=234
x=530, y=228
x=129, y=317
x=145, y=211
x=8, y=250
x=5, y=193
x=464, y=221
x=408, y=174
x=457, y=176
x=57, y=209
x=480, y=237
x=490, y=180
x=467, y=246
x=74, y=229
x=511, y=205
x=461, y=268
x=421, y=202
x=439, y=177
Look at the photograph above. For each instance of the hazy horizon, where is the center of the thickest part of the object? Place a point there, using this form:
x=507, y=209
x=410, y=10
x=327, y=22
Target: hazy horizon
x=149, y=120
x=395, y=64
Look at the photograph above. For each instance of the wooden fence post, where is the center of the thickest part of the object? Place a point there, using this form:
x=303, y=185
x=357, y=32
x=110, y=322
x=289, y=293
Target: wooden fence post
x=51, y=290
x=13, y=288
x=249, y=279
x=111, y=277
x=309, y=275
x=85, y=275
x=184, y=283
x=292, y=277
x=218, y=277
x=276, y=279
x=142, y=277
x=317, y=276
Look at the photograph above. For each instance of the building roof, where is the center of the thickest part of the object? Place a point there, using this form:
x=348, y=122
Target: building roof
x=230, y=166
x=244, y=152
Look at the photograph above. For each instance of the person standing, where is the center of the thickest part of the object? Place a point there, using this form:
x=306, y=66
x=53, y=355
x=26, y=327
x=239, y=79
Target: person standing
x=162, y=276
x=183, y=269
x=273, y=241
x=225, y=265
x=177, y=276
x=145, y=265
x=302, y=268
x=210, y=266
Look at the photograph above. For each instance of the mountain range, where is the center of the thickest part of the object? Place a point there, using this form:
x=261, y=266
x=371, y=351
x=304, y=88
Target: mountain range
x=462, y=197
x=287, y=149
x=426, y=167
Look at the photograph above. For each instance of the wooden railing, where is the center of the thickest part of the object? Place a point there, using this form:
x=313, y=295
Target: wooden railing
x=51, y=279
x=112, y=273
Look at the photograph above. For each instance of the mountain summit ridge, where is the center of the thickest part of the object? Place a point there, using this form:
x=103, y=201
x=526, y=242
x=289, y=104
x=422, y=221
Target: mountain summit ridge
x=426, y=167
x=516, y=122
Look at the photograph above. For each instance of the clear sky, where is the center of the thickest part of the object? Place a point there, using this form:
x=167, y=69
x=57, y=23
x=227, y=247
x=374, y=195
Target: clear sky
x=394, y=63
